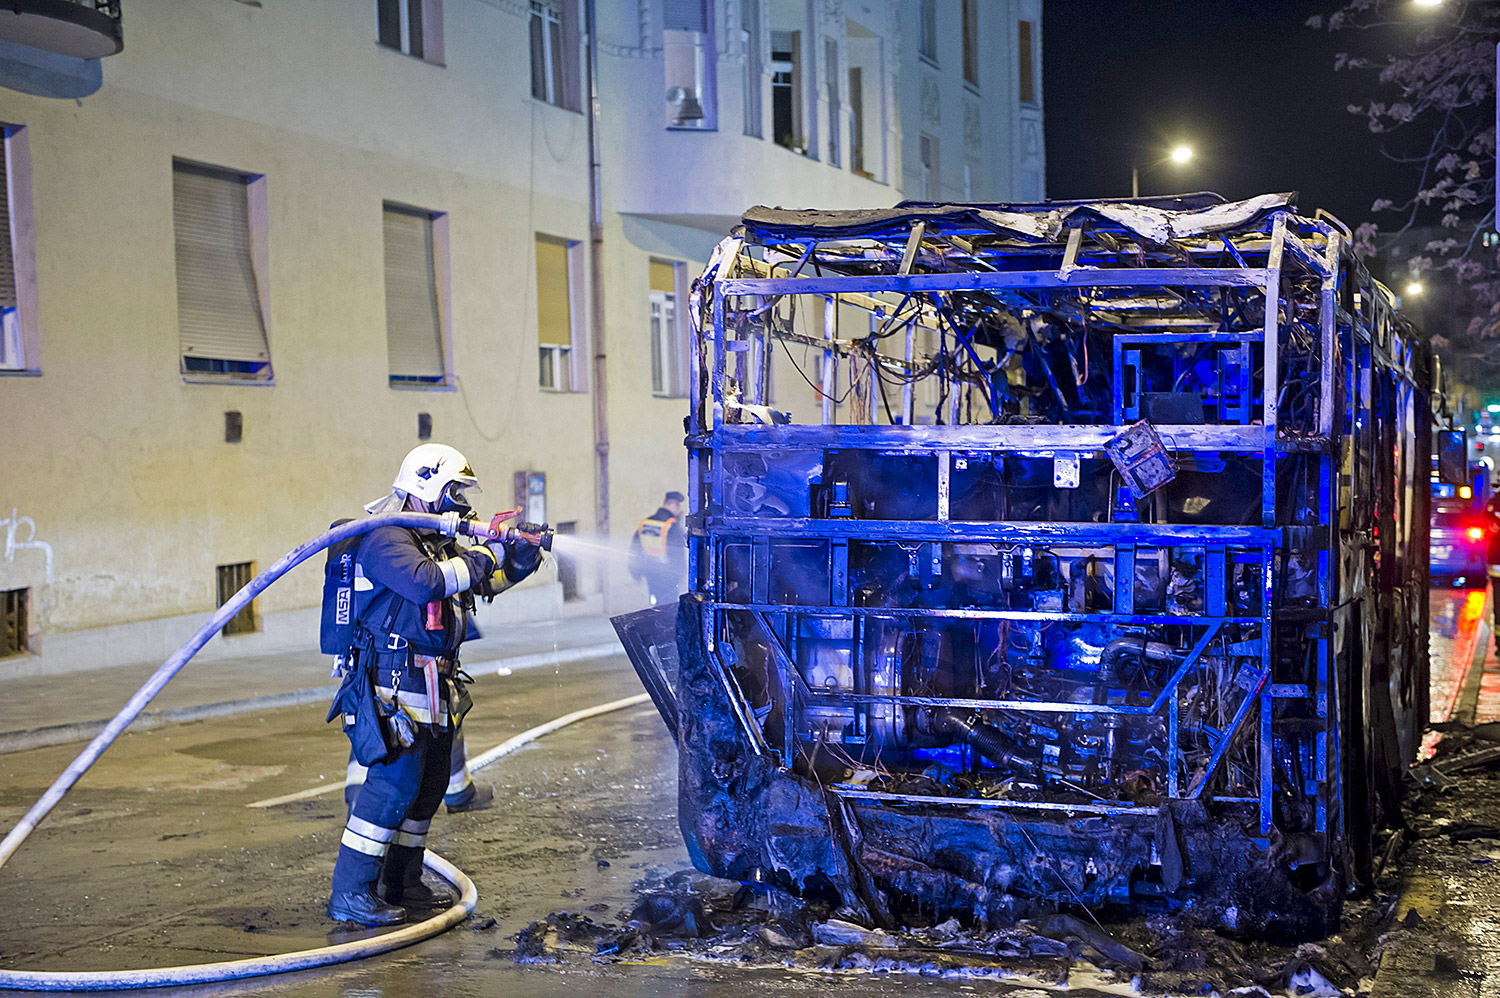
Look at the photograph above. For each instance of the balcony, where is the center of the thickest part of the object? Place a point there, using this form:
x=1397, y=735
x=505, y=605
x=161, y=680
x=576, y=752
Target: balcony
x=81, y=29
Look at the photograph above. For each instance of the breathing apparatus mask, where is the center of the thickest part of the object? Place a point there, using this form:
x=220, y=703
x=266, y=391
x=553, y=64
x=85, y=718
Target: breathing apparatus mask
x=453, y=500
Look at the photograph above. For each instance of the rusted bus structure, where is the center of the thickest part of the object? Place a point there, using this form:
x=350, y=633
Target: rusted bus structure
x=1096, y=573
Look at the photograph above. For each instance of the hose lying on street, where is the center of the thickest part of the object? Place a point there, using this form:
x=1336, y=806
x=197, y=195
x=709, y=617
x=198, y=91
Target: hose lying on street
x=257, y=966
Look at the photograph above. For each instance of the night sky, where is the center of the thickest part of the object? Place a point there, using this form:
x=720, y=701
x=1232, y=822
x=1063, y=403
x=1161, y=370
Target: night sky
x=1244, y=82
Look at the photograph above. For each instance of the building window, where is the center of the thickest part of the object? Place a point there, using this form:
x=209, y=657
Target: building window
x=857, y=121
x=18, y=329
x=864, y=52
x=835, y=102
x=13, y=606
x=971, y=42
x=786, y=90
x=754, y=66
x=219, y=219
x=556, y=267
x=412, y=27
x=927, y=32
x=668, y=348
x=931, y=179
x=1024, y=61
x=687, y=46
x=230, y=580
x=416, y=296
x=554, y=51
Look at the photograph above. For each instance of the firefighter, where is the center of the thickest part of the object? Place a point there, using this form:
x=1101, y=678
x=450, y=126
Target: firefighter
x=658, y=551
x=404, y=697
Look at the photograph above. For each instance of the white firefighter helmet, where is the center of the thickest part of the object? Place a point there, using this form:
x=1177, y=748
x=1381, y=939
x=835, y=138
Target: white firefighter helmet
x=428, y=469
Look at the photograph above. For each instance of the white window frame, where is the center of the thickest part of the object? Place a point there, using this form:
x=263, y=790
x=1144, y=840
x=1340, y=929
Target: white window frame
x=554, y=359
x=20, y=338
x=549, y=18
x=258, y=224
x=564, y=357
x=667, y=329
x=554, y=25
x=664, y=363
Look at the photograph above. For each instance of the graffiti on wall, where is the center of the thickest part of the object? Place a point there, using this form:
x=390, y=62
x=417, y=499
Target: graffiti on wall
x=13, y=525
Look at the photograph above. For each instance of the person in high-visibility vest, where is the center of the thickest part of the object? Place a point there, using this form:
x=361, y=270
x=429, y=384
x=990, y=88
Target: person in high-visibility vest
x=658, y=551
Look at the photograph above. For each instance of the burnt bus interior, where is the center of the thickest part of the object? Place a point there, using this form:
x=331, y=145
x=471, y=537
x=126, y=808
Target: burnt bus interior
x=1096, y=574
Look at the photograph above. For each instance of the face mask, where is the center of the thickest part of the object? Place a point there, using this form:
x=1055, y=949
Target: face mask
x=453, y=500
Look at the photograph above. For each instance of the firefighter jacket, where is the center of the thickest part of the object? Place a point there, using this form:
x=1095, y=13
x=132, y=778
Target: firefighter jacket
x=398, y=573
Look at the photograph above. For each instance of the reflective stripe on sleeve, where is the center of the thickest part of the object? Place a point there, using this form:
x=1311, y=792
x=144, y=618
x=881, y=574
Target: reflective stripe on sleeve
x=456, y=576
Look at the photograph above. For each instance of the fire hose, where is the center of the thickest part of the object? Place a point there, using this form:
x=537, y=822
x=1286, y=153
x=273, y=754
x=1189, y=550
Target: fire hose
x=448, y=523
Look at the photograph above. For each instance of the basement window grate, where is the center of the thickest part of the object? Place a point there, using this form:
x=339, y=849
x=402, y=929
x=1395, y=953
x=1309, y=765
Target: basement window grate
x=16, y=602
x=231, y=579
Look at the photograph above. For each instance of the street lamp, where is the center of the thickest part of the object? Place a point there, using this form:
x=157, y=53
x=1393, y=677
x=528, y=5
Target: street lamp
x=1179, y=155
x=1414, y=288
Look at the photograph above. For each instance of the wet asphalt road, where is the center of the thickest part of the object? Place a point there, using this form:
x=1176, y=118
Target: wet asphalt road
x=154, y=859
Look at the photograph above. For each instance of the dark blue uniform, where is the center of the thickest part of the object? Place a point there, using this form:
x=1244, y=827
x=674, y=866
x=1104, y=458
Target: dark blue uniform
x=413, y=668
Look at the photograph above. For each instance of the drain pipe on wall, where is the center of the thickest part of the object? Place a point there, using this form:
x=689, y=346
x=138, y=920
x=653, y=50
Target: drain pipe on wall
x=596, y=288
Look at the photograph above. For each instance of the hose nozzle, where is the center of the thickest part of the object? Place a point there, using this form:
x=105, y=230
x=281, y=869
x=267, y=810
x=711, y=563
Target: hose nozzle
x=496, y=530
x=541, y=538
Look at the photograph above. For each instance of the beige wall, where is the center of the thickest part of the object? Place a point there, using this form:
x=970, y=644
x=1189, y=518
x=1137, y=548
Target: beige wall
x=122, y=465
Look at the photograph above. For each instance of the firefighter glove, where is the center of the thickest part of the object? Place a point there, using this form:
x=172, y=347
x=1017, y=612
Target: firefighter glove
x=522, y=557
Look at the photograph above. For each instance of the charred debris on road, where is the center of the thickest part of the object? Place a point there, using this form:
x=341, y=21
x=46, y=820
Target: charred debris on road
x=1155, y=947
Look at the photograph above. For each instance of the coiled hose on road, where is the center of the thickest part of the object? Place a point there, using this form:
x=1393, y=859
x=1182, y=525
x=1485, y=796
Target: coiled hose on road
x=35, y=980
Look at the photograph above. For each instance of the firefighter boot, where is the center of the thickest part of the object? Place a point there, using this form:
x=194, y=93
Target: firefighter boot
x=354, y=875
x=401, y=882
x=474, y=797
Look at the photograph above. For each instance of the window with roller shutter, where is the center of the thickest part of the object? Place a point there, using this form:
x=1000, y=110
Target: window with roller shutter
x=221, y=320
x=415, y=297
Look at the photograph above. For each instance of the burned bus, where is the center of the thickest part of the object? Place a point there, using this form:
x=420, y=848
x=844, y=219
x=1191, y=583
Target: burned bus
x=1070, y=553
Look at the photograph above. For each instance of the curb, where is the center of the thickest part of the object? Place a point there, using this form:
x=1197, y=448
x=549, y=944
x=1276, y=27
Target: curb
x=60, y=734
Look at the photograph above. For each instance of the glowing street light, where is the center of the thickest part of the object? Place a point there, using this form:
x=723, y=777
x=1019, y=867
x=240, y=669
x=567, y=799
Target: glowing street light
x=1414, y=288
x=1428, y=3
x=1178, y=155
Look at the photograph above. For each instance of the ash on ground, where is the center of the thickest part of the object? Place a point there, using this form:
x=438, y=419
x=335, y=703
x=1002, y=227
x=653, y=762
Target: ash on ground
x=1166, y=951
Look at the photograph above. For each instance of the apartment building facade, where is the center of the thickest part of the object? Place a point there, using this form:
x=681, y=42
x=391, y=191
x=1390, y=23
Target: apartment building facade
x=268, y=247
